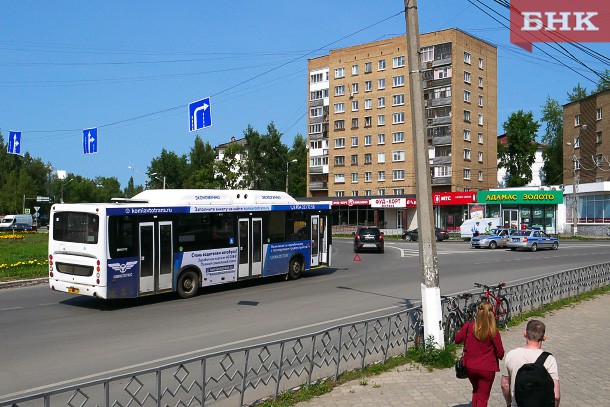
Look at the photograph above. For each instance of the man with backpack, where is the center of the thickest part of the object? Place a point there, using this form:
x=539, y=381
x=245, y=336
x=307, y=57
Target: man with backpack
x=530, y=376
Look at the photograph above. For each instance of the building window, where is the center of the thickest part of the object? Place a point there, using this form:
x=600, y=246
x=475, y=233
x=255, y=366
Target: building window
x=381, y=120
x=467, y=116
x=480, y=63
x=339, y=160
x=381, y=65
x=355, y=123
x=466, y=135
x=577, y=163
x=339, y=194
x=480, y=100
x=398, y=62
x=398, y=175
x=466, y=77
x=466, y=173
x=427, y=54
x=398, y=191
x=381, y=101
x=355, y=192
x=354, y=159
x=354, y=105
x=577, y=120
x=599, y=137
x=381, y=177
x=340, y=90
x=318, y=94
x=354, y=69
x=339, y=178
x=340, y=142
x=339, y=73
x=368, y=121
x=576, y=142
x=339, y=107
x=480, y=119
x=368, y=67
x=442, y=171
x=467, y=57
x=467, y=96
x=368, y=104
x=316, y=112
x=467, y=154
x=368, y=158
x=316, y=77
x=480, y=175
x=398, y=137
x=599, y=159
x=354, y=141
x=368, y=86
x=480, y=135
x=480, y=82
x=368, y=140
x=368, y=176
x=354, y=89
x=398, y=156
x=398, y=99
x=441, y=73
x=480, y=154
x=381, y=138
x=380, y=158
x=339, y=124
x=368, y=192
x=398, y=117
x=398, y=81
x=381, y=191
x=354, y=177
x=381, y=83
x=315, y=128
x=598, y=113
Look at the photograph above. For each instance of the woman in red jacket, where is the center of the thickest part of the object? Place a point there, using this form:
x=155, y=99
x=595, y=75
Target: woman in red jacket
x=482, y=350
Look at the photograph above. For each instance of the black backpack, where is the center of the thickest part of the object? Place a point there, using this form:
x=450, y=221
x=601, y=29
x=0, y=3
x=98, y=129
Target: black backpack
x=534, y=386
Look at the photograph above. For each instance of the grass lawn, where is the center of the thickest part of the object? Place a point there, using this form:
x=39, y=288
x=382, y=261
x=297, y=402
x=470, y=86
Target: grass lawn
x=23, y=255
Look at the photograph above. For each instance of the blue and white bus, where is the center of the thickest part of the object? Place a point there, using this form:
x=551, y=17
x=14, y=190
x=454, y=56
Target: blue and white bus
x=179, y=240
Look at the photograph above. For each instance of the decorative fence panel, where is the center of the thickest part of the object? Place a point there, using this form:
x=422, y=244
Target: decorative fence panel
x=244, y=375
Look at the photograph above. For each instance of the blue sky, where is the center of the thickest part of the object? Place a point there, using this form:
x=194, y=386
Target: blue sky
x=131, y=68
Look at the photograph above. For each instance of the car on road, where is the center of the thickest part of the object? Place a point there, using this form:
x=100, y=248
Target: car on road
x=532, y=239
x=498, y=237
x=368, y=238
x=440, y=234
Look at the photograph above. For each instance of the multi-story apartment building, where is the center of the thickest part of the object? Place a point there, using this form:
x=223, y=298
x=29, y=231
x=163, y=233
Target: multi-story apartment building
x=360, y=137
x=586, y=163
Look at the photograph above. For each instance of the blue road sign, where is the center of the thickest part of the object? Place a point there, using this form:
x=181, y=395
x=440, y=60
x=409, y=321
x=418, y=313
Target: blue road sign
x=14, y=142
x=90, y=141
x=200, y=114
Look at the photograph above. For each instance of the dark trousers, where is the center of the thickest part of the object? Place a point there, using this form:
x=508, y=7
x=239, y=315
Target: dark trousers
x=481, y=380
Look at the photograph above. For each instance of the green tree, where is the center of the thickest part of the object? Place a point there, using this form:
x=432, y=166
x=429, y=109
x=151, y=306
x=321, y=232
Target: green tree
x=552, y=116
x=578, y=92
x=604, y=81
x=131, y=189
x=266, y=158
x=519, y=154
x=298, y=170
x=229, y=168
x=168, y=166
x=201, y=161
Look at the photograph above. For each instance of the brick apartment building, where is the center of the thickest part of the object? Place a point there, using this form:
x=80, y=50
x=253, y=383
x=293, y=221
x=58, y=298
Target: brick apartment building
x=359, y=126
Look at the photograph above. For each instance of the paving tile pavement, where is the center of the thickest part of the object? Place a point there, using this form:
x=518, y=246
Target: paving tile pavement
x=576, y=335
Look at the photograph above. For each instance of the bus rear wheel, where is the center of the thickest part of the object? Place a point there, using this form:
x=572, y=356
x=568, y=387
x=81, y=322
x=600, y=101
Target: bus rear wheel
x=295, y=269
x=188, y=284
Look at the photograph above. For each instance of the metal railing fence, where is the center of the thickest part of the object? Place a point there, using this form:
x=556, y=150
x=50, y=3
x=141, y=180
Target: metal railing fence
x=244, y=375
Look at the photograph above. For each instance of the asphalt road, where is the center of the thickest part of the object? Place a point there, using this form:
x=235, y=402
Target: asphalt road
x=49, y=339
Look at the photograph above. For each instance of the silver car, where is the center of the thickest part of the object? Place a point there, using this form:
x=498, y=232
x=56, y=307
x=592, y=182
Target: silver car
x=532, y=240
x=496, y=238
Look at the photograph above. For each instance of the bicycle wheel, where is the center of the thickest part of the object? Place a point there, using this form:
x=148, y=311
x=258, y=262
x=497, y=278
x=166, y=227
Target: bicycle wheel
x=503, y=313
x=452, y=326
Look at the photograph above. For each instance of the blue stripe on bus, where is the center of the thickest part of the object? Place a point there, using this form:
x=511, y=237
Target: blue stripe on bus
x=158, y=210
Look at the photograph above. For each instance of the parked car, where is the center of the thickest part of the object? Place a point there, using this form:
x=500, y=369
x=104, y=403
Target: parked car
x=532, y=239
x=497, y=238
x=368, y=238
x=440, y=234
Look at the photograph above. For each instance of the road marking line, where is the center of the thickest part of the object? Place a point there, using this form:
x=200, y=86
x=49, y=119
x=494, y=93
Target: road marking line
x=10, y=308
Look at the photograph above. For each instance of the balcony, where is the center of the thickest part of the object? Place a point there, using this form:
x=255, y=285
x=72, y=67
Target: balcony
x=319, y=169
x=318, y=186
x=438, y=102
x=442, y=160
x=434, y=121
x=441, y=140
x=438, y=82
x=441, y=180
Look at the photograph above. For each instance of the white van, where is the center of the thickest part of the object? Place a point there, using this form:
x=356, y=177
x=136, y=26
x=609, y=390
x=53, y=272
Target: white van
x=16, y=222
x=466, y=227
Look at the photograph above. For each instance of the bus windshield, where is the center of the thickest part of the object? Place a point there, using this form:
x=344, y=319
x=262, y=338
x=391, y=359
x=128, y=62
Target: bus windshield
x=75, y=227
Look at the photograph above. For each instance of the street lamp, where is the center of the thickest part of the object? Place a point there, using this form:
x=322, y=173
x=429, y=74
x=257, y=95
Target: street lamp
x=154, y=175
x=148, y=176
x=62, y=189
x=287, y=163
x=574, y=189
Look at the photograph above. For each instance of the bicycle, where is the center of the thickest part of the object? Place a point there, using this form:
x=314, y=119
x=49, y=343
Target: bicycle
x=501, y=305
x=456, y=316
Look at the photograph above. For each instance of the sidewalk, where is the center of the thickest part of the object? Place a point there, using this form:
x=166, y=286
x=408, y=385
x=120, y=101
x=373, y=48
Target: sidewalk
x=577, y=336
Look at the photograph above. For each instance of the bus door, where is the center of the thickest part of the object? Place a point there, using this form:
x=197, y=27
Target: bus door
x=250, y=247
x=156, y=257
x=315, y=240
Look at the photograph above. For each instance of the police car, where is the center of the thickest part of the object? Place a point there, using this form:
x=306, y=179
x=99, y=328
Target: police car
x=498, y=237
x=532, y=239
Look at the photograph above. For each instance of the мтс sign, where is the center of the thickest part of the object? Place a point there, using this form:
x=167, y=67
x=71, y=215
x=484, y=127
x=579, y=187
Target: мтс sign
x=558, y=21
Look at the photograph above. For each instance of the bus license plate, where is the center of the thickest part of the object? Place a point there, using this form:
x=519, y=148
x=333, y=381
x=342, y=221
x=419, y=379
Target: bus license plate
x=73, y=290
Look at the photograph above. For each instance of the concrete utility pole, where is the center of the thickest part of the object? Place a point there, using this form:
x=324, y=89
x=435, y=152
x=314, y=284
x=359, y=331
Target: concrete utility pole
x=430, y=289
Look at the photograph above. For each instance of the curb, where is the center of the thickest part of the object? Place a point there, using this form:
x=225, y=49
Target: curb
x=23, y=283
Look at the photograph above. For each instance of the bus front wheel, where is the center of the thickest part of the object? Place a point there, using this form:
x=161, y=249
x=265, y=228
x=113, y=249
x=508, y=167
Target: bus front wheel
x=188, y=284
x=294, y=269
